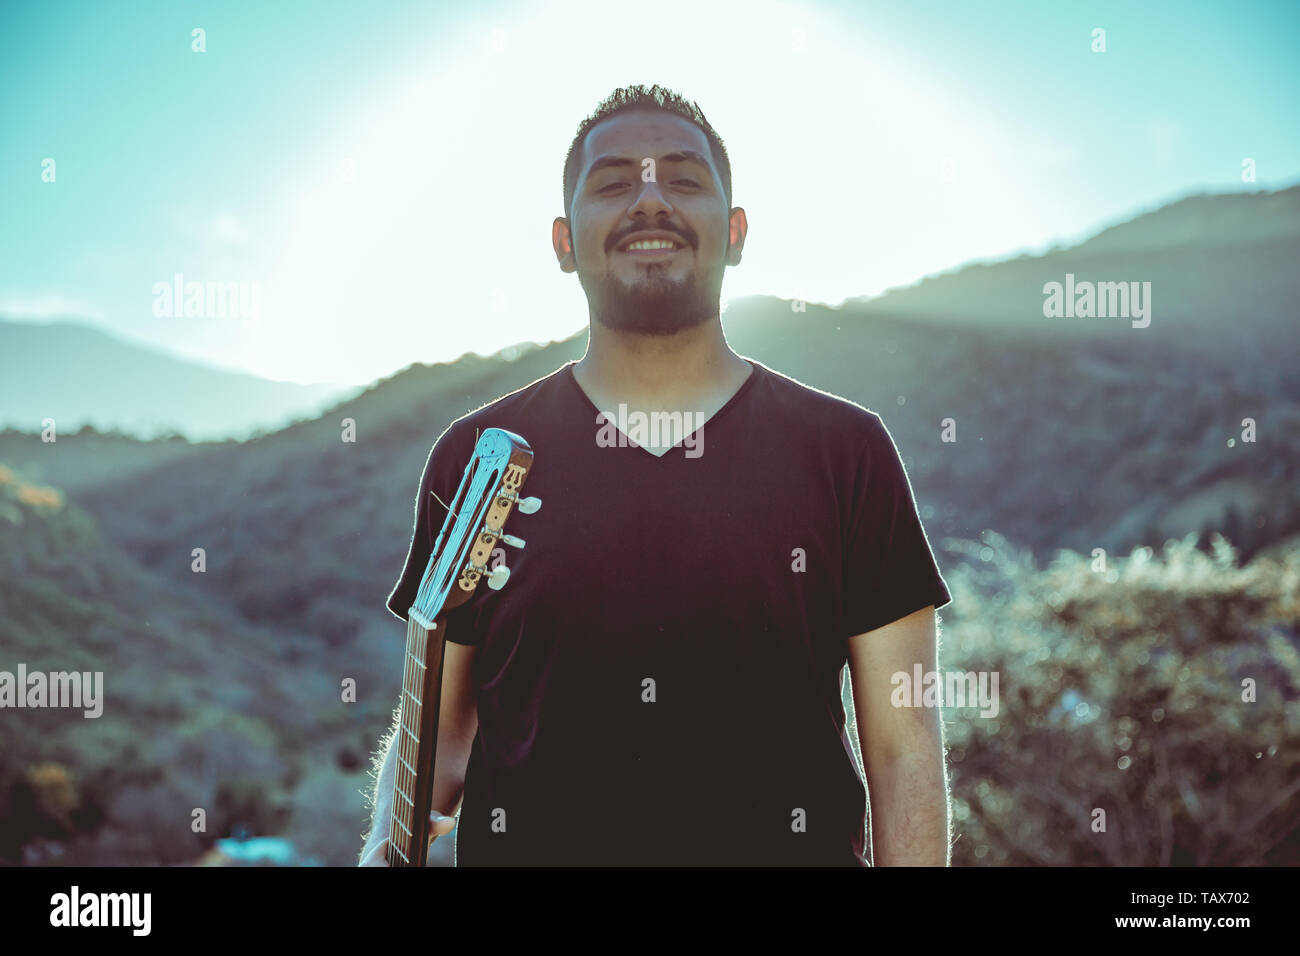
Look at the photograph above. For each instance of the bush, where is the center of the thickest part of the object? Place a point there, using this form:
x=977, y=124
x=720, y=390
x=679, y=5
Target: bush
x=1122, y=691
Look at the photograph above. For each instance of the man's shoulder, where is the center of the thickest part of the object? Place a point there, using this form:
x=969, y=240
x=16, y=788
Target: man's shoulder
x=513, y=410
x=820, y=410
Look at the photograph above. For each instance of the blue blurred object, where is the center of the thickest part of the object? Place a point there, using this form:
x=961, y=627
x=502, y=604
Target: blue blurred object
x=259, y=850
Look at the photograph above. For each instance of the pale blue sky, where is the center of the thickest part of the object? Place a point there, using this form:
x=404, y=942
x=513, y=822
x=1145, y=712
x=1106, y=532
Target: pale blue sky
x=387, y=172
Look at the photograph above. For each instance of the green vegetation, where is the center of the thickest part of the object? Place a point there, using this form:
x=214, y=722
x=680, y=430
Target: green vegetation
x=197, y=712
x=1123, y=690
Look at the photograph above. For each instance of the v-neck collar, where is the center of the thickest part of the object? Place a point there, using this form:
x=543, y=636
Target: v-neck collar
x=711, y=420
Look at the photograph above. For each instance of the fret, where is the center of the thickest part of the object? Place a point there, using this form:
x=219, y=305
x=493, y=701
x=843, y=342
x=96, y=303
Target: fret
x=408, y=743
x=407, y=673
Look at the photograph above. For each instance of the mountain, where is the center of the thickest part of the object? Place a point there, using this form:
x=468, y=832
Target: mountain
x=79, y=375
x=1221, y=271
x=1115, y=439
x=87, y=459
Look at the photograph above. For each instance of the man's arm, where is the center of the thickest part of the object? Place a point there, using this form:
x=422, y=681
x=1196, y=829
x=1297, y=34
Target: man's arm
x=457, y=725
x=902, y=747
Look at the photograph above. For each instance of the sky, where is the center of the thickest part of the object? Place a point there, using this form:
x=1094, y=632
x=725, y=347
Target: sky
x=378, y=180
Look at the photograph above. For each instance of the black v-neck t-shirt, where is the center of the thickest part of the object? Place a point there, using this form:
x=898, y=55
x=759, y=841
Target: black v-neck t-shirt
x=660, y=680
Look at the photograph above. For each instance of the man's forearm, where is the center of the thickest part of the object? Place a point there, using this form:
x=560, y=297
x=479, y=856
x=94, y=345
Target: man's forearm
x=910, y=816
x=448, y=780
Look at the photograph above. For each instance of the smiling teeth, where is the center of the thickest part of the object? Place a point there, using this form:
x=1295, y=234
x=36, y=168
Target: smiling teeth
x=652, y=244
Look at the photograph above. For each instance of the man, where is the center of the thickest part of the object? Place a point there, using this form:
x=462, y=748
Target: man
x=660, y=681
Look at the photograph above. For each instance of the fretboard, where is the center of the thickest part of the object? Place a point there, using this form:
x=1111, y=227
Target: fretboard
x=415, y=744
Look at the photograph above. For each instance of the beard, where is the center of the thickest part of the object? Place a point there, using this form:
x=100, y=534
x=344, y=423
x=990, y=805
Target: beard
x=652, y=304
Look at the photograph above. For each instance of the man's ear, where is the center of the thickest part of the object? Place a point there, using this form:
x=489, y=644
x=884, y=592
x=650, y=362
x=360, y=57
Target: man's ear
x=737, y=229
x=562, y=242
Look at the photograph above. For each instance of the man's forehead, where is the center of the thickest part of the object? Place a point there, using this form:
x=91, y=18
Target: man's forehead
x=643, y=133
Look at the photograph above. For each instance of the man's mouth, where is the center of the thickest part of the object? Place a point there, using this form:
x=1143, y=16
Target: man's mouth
x=653, y=248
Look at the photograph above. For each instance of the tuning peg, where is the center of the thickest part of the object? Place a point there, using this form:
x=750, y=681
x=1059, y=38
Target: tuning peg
x=511, y=540
x=529, y=505
x=498, y=577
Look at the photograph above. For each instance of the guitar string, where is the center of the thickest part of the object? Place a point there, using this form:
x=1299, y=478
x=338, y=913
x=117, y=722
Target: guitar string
x=458, y=526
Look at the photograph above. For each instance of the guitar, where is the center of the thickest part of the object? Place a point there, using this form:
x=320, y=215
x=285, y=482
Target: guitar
x=488, y=492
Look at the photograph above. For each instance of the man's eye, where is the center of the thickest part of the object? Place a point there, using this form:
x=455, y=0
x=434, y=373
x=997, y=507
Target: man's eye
x=687, y=182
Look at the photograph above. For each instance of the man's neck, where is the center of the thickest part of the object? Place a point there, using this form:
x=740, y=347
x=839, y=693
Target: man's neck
x=693, y=370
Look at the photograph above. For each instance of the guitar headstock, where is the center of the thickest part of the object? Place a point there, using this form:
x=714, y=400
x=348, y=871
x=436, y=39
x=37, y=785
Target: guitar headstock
x=475, y=524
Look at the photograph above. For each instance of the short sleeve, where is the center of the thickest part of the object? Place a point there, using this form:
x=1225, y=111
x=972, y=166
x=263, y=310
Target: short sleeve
x=889, y=567
x=438, y=485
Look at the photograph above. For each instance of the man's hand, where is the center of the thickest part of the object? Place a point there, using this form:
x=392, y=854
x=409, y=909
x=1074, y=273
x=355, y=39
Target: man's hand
x=377, y=854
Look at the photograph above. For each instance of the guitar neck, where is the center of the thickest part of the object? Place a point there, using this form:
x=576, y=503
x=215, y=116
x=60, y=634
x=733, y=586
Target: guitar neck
x=470, y=532
x=416, y=743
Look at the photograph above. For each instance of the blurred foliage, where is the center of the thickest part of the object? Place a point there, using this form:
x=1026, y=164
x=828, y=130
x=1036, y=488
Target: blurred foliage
x=1122, y=689
x=197, y=710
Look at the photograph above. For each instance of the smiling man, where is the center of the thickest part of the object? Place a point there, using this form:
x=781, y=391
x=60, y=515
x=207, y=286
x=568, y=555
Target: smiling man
x=661, y=680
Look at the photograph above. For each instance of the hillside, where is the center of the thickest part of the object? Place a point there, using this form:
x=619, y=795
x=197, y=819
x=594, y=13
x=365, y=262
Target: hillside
x=78, y=375
x=1115, y=444
x=195, y=710
x=87, y=458
x=1221, y=268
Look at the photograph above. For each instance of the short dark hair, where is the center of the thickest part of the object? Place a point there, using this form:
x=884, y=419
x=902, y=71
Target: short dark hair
x=628, y=99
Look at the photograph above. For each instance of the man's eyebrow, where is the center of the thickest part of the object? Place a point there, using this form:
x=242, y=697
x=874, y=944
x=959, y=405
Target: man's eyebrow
x=680, y=156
